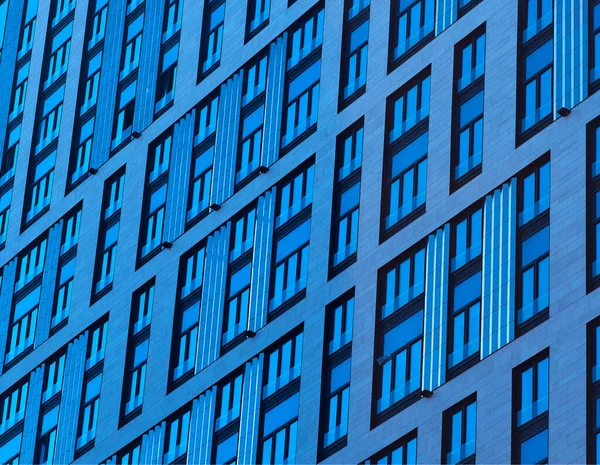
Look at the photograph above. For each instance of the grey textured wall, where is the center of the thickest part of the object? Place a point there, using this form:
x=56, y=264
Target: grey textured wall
x=570, y=307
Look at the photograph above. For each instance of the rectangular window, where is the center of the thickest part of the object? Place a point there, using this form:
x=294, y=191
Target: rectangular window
x=353, y=77
x=70, y=236
x=464, y=6
x=132, y=46
x=302, y=105
x=12, y=406
x=200, y=184
x=137, y=352
x=229, y=401
x=21, y=330
x=593, y=204
x=7, y=166
x=88, y=416
x=64, y=288
x=172, y=18
x=251, y=144
x=411, y=27
x=538, y=17
x=40, y=180
x=251, y=121
x=237, y=296
x=305, y=37
x=82, y=152
x=155, y=198
x=535, y=68
x=399, y=334
x=459, y=431
x=31, y=263
x=405, y=163
x=60, y=9
x=205, y=123
x=187, y=313
x=594, y=44
x=301, y=102
x=530, y=410
x=53, y=377
x=19, y=92
x=593, y=391
x=5, y=200
x=27, y=28
x=335, y=384
x=106, y=251
x=49, y=118
x=165, y=88
x=279, y=413
x=400, y=452
x=465, y=282
x=292, y=237
x=87, y=93
x=533, y=234
x=123, y=121
x=96, y=346
x=199, y=190
x=464, y=322
x=344, y=225
x=467, y=239
x=257, y=17
x=92, y=83
x=46, y=442
x=227, y=420
x=176, y=436
x=467, y=118
x=212, y=37
x=98, y=28
x=58, y=55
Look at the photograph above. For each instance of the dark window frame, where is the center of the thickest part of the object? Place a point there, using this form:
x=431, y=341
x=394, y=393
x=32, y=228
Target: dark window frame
x=447, y=428
x=461, y=97
x=351, y=25
x=537, y=424
x=392, y=148
x=342, y=185
x=524, y=232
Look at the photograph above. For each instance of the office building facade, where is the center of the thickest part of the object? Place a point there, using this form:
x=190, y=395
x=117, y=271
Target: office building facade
x=299, y=231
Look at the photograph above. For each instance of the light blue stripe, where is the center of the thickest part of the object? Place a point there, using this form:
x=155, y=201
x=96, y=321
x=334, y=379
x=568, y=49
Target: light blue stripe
x=436, y=308
x=250, y=411
x=179, y=177
x=109, y=78
x=148, y=71
x=48, y=284
x=213, y=297
x=570, y=53
x=498, y=268
x=228, y=124
x=202, y=422
x=273, y=98
x=446, y=14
